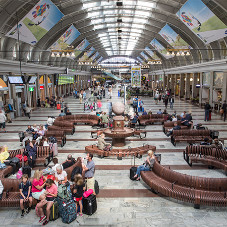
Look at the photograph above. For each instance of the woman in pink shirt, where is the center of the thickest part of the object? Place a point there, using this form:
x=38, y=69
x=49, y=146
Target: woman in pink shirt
x=37, y=186
x=51, y=193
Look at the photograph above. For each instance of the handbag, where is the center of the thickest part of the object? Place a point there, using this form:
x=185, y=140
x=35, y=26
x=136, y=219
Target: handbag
x=221, y=111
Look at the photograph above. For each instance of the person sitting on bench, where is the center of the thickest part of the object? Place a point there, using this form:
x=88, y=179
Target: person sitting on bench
x=186, y=122
x=206, y=142
x=216, y=144
x=176, y=127
x=68, y=162
x=102, y=145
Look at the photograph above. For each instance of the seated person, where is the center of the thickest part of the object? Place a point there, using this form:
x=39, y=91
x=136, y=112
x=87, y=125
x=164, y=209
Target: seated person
x=44, y=142
x=126, y=121
x=61, y=177
x=134, y=120
x=102, y=145
x=206, y=142
x=147, y=166
x=189, y=116
x=144, y=112
x=200, y=126
x=159, y=112
x=40, y=133
x=68, y=162
x=185, y=122
x=51, y=193
x=68, y=113
x=28, y=135
x=184, y=113
x=50, y=122
x=62, y=113
x=176, y=127
x=25, y=194
x=216, y=144
x=164, y=112
x=92, y=112
x=150, y=112
x=38, y=184
x=104, y=118
x=174, y=118
x=32, y=153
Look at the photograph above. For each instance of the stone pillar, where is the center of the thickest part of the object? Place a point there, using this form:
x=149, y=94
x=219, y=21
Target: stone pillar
x=37, y=86
x=187, y=86
x=46, y=89
x=211, y=88
x=224, y=86
x=164, y=82
x=167, y=82
x=182, y=76
x=194, y=82
x=13, y=94
x=53, y=86
x=28, y=95
x=175, y=85
x=201, y=87
x=172, y=87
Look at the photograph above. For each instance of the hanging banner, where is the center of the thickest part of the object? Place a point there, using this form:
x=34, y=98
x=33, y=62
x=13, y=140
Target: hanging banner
x=100, y=59
x=152, y=53
x=136, y=76
x=144, y=56
x=66, y=39
x=81, y=47
x=37, y=22
x=202, y=21
x=95, y=56
x=141, y=60
x=158, y=46
x=173, y=38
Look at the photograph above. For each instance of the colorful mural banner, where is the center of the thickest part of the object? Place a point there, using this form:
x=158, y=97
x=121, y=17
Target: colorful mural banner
x=95, y=56
x=100, y=59
x=136, y=76
x=202, y=21
x=81, y=47
x=87, y=54
x=66, y=39
x=151, y=53
x=173, y=38
x=158, y=46
x=141, y=60
x=37, y=22
x=144, y=56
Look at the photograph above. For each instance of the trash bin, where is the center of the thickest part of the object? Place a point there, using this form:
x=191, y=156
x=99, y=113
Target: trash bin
x=119, y=94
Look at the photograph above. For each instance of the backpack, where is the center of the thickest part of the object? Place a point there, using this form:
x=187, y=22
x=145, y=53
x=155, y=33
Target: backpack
x=76, y=170
x=52, y=139
x=10, y=108
x=63, y=192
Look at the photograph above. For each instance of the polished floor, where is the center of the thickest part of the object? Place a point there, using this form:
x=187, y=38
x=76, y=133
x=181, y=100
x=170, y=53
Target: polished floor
x=122, y=202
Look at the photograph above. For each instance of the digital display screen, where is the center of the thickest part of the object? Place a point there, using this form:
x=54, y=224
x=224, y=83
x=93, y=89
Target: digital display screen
x=32, y=80
x=63, y=79
x=16, y=80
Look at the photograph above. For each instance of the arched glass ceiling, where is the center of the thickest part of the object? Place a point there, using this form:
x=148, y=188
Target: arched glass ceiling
x=118, y=61
x=131, y=20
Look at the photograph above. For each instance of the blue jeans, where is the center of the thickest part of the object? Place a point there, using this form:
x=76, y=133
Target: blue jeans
x=141, y=168
x=171, y=105
x=207, y=115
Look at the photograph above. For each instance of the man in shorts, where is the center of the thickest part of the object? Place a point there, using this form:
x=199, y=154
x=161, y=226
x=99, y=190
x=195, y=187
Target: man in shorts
x=89, y=172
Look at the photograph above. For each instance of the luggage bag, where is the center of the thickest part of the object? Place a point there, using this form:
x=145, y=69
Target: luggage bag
x=133, y=170
x=58, y=106
x=89, y=205
x=54, y=211
x=26, y=170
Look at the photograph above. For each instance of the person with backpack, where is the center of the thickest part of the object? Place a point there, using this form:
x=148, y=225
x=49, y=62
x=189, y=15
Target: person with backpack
x=28, y=111
x=2, y=121
x=7, y=109
x=207, y=111
x=51, y=193
x=78, y=190
x=25, y=194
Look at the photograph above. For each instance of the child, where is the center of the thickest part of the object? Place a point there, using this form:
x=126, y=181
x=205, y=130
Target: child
x=25, y=193
x=78, y=190
x=51, y=193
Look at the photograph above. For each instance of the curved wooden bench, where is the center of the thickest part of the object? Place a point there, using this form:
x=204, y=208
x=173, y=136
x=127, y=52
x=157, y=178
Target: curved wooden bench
x=190, y=136
x=119, y=153
x=59, y=135
x=152, y=118
x=13, y=186
x=191, y=189
x=170, y=124
x=208, y=156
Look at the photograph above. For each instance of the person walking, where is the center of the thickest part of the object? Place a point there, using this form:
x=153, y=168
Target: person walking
x=80, y=97
x=2, y=121
x=224, y=106
x=171, y=101
x=166, y=101
x=207, y=111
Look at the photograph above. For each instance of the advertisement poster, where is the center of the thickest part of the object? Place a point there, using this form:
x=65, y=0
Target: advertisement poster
x=136, y=76
x=202, y=21
x=37, y=22
x=87, y=54
x=218, y=79
x=81, y=47
x=144, y=56
x=206, y=78
x=173, y=38
x=66, y=39
x=160, y=48
x=95, y=56
x=152, y=53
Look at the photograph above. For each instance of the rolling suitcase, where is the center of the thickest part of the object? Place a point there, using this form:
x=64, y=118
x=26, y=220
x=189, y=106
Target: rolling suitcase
x=58, y=106
x=89, y=205
x=133, y=170
x=54, y=211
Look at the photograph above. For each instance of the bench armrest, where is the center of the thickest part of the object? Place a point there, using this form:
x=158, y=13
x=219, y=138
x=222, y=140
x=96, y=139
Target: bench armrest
x=174, y=183
x=223, y=191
